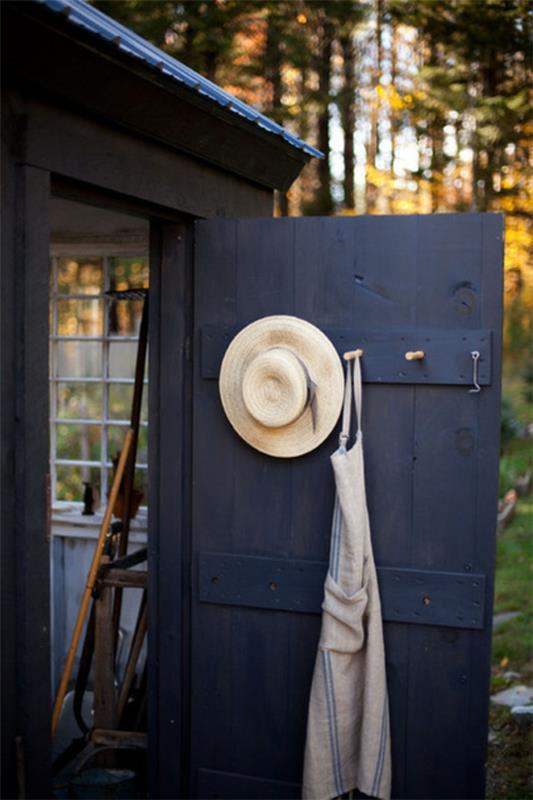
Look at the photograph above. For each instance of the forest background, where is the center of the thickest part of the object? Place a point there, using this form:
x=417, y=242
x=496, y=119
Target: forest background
x=420, y=106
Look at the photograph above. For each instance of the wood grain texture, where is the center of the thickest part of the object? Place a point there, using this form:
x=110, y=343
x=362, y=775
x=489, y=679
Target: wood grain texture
x=88, y=150
x=31, y=564
x=251, y=667
x=105, y=713
x=168, y=528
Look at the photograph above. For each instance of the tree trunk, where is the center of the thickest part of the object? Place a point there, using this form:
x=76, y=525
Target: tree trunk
x=374, y=142
x=324, y=201
x=394, y=78
x=347, y=109
x=273, y=75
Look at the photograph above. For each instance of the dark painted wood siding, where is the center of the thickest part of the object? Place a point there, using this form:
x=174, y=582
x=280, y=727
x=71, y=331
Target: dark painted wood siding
x=431, y=468
x=46, y=148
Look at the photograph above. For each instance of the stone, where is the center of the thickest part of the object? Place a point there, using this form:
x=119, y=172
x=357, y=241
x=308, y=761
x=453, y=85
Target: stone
x=515, y=696
x=523, y=715
x=505, y=616
x=510, y=675
x=523, y=484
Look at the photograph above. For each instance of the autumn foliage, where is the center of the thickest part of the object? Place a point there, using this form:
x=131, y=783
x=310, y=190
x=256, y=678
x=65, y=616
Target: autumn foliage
x=419, y=107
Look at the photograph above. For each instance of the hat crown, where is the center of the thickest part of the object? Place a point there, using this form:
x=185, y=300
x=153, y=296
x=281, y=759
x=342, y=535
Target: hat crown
x=275, y=387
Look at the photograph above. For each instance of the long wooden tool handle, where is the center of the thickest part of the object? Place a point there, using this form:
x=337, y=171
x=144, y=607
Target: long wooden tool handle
x=91, y=580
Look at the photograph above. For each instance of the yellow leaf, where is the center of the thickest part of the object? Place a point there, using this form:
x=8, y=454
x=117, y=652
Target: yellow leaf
x=504, y=662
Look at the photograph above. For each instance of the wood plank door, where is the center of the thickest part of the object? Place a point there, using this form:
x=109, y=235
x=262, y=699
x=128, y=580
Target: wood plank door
x=261, y=526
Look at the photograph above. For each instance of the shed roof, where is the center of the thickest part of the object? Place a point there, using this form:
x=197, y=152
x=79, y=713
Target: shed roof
x=79, y=12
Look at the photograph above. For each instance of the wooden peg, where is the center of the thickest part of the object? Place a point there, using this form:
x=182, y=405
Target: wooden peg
x=351, y=354
x=415, y=355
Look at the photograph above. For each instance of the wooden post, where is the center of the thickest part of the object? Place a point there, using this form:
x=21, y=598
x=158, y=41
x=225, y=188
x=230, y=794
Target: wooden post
x=104, y=658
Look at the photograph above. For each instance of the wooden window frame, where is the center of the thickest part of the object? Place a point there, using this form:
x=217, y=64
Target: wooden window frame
x=104, y=464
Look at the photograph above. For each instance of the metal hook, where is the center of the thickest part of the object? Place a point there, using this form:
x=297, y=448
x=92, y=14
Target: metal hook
x=475, y=359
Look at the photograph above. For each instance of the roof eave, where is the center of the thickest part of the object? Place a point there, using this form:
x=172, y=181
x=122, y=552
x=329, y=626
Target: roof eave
x=237, y=144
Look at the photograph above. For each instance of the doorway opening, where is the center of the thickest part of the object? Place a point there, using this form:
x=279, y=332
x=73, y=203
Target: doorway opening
x=98, y=376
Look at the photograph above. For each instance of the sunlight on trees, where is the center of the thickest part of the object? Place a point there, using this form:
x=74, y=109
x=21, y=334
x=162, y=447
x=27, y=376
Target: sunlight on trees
x=419, y=107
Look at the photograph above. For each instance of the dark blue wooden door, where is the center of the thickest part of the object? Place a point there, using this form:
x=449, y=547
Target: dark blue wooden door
x=260, y=526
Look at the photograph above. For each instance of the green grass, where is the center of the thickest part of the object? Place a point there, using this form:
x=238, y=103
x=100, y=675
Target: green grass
x=510, y=761
x=517, y=392
x=515, y=462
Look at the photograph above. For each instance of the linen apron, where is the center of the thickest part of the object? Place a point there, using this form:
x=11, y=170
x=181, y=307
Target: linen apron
x=348, y=736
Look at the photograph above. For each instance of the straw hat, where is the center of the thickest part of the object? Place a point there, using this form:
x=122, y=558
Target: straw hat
x=281, y=385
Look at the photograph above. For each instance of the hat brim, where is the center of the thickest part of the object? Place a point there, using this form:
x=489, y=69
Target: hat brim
x=323, y=364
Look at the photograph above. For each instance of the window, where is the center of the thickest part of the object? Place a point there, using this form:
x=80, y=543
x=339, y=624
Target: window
x=93, y=345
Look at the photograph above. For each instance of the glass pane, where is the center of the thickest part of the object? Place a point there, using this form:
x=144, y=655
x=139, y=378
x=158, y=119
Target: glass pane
x=122, y=359
x=69, y=483
x=142, y=446
x=79, y=400
x=79, y=359
x=78, y=442
x=120, y=400
x=115, y=439
x=124, y=317
x=80, y=318
x=141, y=484
x=128, y=273
x=140, y=496
x=82, y=275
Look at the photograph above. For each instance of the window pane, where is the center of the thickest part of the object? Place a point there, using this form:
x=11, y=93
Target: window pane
x=115, y=439
x=79, y=400
x=124, y=317
x=80, y=318
x=120, y=400
x=78, y=442
x=141, y=484
x=79, y=359
x=80, y=276
x=122, y=359
x=142, y=446
x=69, y=483
x=128, y=273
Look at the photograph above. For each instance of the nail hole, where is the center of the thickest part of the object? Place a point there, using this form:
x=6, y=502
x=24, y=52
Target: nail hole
x=214, y=579
x=401, y=374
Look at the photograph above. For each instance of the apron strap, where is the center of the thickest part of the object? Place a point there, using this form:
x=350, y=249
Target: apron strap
x=355, y=379
x=358, y=393
x=347, y=408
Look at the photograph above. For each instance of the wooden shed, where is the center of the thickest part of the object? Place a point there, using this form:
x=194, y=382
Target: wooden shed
x=123, y=168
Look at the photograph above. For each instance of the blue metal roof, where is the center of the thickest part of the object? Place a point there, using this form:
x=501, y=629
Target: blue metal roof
x=78, y=12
